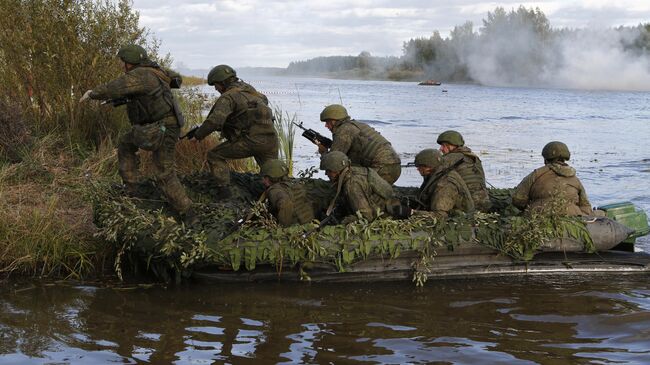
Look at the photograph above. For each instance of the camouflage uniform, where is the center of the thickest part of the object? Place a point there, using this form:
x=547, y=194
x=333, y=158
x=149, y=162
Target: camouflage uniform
x=365, y=191
x=243, y=117
x=541, y=185
x=289, y=203
x=443, y=194
x=366, y=147
x=469, y=167
x=155, y=128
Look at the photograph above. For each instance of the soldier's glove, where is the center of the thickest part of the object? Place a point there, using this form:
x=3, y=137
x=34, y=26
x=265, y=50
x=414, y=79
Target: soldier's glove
x=85, y=96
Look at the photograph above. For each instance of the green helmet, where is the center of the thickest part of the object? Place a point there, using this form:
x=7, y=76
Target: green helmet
x=274, y=169
x=451, y=137
x=334, y=111
x=334, y=161
x=428, y=157
x=133, y=54
x=220, y=73
x=556, y=150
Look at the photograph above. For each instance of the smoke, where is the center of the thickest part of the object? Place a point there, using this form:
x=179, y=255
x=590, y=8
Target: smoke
x=594, y=59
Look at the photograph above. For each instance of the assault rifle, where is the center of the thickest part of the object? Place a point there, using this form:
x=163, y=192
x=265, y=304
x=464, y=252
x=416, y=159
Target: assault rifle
x=330, y=218
x=410, y=164
x=314, y=136
x=190, y=134
x=116, y=102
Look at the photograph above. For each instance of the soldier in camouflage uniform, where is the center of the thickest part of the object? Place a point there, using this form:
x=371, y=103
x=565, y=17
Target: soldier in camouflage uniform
x=288, y=200
x=467, y=164
x=361, y=143
x=244, y=119
x=361, y=188
x=555, y=179
x=156, y=122
x=443, y=191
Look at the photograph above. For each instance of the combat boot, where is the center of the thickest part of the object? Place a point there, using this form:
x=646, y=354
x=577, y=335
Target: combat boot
x=190, y=218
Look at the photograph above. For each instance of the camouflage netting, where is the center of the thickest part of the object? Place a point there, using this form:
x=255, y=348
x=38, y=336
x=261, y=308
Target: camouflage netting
x=144, y=230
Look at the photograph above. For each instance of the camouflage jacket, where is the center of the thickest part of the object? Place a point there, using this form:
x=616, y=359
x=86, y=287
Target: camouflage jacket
x=444, y=193
x=364, y=191
x=363, y=145
x=241, y=111
x=147, y=91
x=554, y=180
x=469, y=167
x=289, y=203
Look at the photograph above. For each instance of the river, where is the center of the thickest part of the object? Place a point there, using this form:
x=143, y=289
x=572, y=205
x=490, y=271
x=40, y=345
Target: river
x=568, y=319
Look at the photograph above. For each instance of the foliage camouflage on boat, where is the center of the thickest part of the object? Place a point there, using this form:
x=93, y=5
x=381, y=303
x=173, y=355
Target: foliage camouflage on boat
x=146, y=231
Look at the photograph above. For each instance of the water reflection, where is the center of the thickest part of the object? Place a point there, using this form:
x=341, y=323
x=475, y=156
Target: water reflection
x=518, y=320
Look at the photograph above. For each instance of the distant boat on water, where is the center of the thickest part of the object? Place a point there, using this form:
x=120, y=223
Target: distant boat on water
x=430, y=83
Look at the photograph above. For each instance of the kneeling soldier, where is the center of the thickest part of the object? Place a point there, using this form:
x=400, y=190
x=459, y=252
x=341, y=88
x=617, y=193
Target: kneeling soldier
x=288, y=200
x=361, y=188
x=556, y=178
x=443, y=190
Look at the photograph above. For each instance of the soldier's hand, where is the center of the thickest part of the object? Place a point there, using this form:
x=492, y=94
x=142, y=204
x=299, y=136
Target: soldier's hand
x=321, y=149
x=85, y=96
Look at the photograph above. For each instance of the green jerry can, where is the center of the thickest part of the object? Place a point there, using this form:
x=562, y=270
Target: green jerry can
x=628, y=215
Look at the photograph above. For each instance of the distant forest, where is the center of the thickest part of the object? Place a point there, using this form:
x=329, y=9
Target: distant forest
x=517, y=47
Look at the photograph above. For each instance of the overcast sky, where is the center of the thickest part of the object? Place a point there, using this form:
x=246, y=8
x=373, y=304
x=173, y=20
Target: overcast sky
x=200, y=34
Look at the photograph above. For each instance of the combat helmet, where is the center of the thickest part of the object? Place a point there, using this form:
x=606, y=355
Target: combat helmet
x=451, y=137
x=334, y=161
x=220, y=74
x=275, y=169
x=556, y=151
x=428, y=157
x=334, y=111
x=133, y=54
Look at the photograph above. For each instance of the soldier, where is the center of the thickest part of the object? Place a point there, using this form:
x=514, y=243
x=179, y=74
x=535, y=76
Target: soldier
x=556, y=177
x=156, y=122
x=361, y=143
x=362, y=189
x=243, y=117
x=288, y=200
x=443, y=191
x=467, y=165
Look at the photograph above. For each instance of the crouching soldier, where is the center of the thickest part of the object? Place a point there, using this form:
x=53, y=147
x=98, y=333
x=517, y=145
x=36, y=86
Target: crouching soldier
x=156, y=122
x=555, y=180
x=288, y=200
x=363, y=145
x=443, y=191
x=467, y=164
x=360, y=188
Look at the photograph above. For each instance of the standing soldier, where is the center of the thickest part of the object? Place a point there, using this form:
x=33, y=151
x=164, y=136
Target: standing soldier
x=362, y=189
x=555, y=178
x=443, y=190
x=156, y=122
x=467, y=165
x=363, y=145
x=243, y=117
x=288, y=200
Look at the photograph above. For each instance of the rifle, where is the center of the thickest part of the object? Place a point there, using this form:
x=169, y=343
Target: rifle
x=314, y=136
x=116, y=102
x=323, y=223
x=410, y=164
x=190, y=134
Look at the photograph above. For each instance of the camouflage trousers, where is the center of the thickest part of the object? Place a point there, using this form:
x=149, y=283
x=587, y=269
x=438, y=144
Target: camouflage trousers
x=262, y=148
x=163, y=165
x=390, y=172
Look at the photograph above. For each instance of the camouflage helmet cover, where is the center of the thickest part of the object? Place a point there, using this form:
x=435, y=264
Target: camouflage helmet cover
x=220, y=73
x=133, y=54
x=274, y=169
x=556, y=150
x=334, y=111
x=451, y=137
x=428, y=157
x=334, y=161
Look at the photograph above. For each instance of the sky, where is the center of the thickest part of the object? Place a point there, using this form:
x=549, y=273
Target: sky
x=199, y=34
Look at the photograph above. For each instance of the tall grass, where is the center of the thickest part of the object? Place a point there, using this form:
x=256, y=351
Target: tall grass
x=284, y=125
